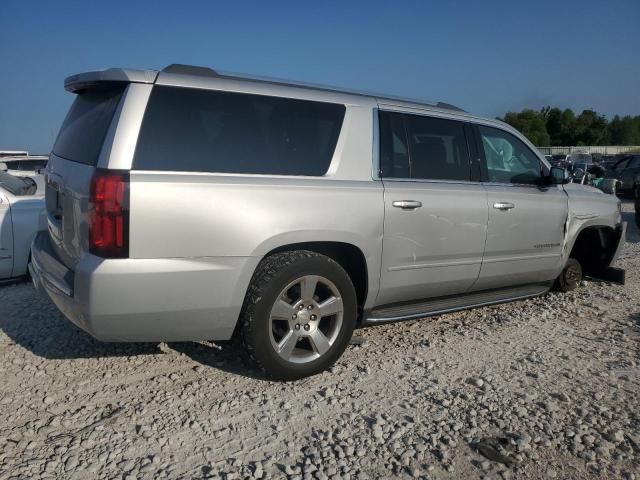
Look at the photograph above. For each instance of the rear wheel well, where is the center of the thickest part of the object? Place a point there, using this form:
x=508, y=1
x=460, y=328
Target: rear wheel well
x=594, y=248
x=348, y=256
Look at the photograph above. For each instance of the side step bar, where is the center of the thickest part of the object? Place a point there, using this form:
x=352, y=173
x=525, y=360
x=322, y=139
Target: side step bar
x=436, y=306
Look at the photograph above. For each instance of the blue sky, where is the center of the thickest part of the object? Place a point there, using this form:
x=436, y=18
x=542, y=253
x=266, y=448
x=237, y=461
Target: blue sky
x=487, y=56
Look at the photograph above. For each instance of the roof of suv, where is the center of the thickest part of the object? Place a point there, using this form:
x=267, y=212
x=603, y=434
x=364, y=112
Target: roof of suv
x=82, y=81
x=184, y=75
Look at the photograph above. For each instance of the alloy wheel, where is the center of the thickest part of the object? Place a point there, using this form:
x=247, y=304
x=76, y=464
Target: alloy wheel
x=305, y=319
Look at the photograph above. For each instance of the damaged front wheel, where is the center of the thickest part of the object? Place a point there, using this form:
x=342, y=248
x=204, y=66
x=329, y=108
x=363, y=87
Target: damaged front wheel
x=570, y=277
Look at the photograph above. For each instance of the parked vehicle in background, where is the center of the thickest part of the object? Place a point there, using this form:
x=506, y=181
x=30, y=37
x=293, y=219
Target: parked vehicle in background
x=24, y=165
x=558, y=161
x=598, y=158
x=582, y=166
x=594, y=175
x=12, y=153
x=611, y=161
x=626, y=172
x=22, y=214
x=578, y=158
x=189, y=205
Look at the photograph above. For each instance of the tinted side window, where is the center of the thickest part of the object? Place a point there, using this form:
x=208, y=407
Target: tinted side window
x=85, y=126
x=208, y=131
x=437, y=148
x=508, y=159
x=394, y=154
x=419, y=147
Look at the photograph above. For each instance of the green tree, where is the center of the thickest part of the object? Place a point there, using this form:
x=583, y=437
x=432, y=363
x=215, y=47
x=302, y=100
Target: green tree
x=591, y=129
x=553, y=120
x=531, y=124
x=625, y=130
x=556, y=127
x=568, y=122
x=621, y=130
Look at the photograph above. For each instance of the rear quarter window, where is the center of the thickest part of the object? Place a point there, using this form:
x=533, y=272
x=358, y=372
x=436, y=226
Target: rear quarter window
x=210, y=131
x=85, y=126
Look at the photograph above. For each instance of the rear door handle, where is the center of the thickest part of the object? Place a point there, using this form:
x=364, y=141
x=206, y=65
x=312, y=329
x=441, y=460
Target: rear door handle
x=503, y=206
x=407, y=204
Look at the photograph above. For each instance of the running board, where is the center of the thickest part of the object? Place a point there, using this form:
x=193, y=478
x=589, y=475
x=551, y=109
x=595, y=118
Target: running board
x=436, y=306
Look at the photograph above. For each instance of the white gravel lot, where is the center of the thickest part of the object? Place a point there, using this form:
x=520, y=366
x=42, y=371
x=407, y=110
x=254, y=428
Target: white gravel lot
x=546, y=388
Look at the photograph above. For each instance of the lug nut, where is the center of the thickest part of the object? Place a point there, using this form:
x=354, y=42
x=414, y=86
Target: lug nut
x=301, y=307
x=306, y=327
x=310, y=307
x=313, y=317
x=294, y=316
x=297, y=326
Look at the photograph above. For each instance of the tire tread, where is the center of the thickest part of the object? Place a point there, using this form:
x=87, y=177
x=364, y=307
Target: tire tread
x=268, y=268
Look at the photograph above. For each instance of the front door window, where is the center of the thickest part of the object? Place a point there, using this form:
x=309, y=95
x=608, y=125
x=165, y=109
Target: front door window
x=508, y=159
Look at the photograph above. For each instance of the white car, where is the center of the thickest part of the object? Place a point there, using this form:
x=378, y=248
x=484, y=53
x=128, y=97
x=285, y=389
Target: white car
x=22, y=214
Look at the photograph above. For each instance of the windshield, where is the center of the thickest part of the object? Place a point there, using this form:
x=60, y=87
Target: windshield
x=17, y=185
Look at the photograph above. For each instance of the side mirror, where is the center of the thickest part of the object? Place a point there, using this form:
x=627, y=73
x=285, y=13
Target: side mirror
x=558, y=175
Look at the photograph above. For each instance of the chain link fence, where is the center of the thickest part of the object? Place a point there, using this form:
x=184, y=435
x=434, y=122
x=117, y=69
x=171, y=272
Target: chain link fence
x=601, y=149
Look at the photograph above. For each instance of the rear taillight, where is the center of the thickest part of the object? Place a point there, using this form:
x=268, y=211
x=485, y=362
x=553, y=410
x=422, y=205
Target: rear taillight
x=109, y=214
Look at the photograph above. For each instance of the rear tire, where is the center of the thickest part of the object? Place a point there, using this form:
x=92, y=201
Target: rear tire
x=570, y=277
x=299, y=314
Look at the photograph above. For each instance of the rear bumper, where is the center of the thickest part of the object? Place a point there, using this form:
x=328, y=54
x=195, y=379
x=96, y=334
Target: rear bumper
x=176, y=299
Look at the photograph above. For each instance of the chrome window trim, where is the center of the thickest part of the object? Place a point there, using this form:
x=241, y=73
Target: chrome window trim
x=134, y=114
x=428, y=180
x=375, y=167
x=519, y=185
x=423, y=113
x=274, y=181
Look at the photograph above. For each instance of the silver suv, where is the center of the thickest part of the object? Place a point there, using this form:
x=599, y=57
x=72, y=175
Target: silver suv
x=191, y=205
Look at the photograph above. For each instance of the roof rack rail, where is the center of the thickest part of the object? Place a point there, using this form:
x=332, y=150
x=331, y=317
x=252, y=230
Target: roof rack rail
x=209, y=72
x=190, y=70
x=450, y=107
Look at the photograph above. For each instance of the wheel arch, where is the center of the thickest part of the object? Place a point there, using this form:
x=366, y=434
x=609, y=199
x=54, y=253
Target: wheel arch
x=594, y=247
x=347, y=255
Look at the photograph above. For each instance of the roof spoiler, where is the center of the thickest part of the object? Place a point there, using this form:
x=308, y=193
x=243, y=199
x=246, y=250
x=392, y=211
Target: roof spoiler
x=191, y=70
x=82, y=81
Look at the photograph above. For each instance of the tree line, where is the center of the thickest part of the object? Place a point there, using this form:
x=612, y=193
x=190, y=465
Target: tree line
x=555, y=127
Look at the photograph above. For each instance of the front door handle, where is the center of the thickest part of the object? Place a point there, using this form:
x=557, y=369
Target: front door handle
x=503, y=205
x=407, y=204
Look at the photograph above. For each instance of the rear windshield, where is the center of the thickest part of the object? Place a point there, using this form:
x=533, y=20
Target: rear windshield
x=209, y=131
x=85, y=127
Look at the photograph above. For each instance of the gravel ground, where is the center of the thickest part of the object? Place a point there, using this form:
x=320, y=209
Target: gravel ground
x=543, y=388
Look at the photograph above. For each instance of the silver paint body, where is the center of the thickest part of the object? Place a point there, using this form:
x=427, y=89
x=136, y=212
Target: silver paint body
x=197, y=238
x=21, y=217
